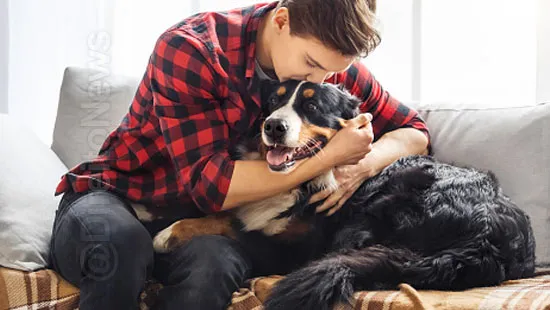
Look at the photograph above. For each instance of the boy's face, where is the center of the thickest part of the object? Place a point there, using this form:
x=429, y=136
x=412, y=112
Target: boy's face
x=301, y=58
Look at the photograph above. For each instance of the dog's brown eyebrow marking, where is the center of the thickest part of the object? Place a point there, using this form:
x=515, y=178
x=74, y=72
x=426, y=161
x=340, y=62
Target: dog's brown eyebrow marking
x=281, y=91
x=308, y=93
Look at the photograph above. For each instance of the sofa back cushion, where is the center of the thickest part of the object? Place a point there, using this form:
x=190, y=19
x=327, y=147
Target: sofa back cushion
x=513, y=142
x=91, y=104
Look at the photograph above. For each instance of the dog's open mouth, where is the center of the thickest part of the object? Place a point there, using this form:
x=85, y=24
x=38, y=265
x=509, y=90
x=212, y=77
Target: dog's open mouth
x=280, y=157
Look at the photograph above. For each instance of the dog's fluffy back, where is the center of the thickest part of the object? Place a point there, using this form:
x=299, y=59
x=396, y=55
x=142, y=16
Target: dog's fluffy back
x=422, y=222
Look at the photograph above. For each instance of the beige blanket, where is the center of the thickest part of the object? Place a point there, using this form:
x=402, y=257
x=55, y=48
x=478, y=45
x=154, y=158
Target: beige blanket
x=45, y=289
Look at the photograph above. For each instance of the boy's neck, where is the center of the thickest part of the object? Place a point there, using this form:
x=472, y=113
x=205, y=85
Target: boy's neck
x=263, y=40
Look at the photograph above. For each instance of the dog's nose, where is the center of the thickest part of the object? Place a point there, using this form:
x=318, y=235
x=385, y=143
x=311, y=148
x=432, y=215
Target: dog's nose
x=275, y=128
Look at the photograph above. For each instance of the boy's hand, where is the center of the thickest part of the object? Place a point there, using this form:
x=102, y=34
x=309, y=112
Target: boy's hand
x=349, y=178
x=351, y=143
x=355, y=141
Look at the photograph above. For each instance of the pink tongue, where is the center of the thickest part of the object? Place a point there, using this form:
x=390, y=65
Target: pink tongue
x=279, y=155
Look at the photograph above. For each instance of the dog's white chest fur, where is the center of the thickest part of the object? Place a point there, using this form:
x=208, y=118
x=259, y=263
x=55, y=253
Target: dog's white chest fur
x=262, y=215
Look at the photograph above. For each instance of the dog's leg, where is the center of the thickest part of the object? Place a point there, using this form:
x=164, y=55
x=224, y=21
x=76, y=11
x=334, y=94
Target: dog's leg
x=352, y=237
x=183, y=230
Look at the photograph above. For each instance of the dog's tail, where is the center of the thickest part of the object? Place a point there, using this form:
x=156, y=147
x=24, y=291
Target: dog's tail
x=333, y=279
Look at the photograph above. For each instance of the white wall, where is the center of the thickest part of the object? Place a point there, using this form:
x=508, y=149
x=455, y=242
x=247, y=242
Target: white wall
x=391, y=62
x=138, y=24
x=4, y=49
x=465, y=54
x=479, y=52
x=543, y=51
x=46, y=37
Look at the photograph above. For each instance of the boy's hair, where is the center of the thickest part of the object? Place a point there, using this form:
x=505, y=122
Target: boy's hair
x=344, y=25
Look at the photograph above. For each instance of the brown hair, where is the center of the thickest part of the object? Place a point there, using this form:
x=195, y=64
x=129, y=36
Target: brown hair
x=344, y=25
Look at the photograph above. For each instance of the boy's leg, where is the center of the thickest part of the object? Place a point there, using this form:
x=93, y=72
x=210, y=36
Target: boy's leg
x=201, y=274
x=99, y=246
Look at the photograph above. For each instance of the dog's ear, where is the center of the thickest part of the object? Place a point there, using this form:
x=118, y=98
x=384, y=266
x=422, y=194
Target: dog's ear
x=354, y=102
x=267, y=87
x=347, y=98
x=351, y=104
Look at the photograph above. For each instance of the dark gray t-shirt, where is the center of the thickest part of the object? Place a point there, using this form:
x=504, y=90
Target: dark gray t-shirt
x=261, y=73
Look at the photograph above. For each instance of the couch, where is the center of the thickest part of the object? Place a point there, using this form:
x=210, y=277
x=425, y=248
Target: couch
x=513, y=142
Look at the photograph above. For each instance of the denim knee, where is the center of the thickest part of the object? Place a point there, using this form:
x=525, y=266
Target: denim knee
x=98, y=236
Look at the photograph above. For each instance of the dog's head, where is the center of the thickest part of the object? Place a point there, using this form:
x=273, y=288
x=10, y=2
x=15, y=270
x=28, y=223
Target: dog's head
x=301, y=117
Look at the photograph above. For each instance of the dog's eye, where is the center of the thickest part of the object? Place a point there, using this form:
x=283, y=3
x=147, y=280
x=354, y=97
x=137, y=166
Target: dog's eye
x=273, y=100
x=310, y=106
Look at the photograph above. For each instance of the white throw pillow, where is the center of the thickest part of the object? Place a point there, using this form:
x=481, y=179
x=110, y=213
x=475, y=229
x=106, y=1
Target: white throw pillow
x=92, y=103
x=29, y=173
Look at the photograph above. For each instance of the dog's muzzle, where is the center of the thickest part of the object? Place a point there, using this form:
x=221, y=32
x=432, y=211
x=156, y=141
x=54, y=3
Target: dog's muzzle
x=275, y=130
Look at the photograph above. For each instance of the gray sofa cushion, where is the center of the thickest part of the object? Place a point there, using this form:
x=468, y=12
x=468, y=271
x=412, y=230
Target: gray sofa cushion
x=29, y=173
x=91, y=104
x=512, y=142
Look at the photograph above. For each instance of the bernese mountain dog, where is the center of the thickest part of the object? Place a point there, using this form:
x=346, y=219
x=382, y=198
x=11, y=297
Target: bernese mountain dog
x=420, y=221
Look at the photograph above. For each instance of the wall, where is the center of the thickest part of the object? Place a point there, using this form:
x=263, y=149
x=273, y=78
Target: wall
x=392, y=61
x=500, y=62
x=543, y=50
x=46, y=37
x=479, y=52
x=4, y=51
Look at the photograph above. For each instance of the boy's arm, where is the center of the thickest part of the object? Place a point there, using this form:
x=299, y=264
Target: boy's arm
x=187, y=92
x=398, y=131
x=388, y=113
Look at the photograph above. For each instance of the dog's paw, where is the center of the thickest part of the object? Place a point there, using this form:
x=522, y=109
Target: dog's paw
x=165, y=240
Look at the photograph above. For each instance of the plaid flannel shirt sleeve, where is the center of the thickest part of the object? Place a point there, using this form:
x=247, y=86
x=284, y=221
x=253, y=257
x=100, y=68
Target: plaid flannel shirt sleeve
x=388, y=113
x=187, y=103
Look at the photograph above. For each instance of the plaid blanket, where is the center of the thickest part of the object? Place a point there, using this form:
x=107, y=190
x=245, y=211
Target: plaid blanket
x=44, y=289
x=533, y=293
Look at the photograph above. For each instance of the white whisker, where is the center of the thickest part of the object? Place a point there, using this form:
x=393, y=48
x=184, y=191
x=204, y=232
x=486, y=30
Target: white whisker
x=315, y=150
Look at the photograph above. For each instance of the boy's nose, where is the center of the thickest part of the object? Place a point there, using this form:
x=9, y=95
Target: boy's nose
x=318, y=77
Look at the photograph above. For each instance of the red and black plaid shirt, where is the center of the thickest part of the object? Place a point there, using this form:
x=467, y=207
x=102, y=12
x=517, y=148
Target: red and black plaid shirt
x=198, y=96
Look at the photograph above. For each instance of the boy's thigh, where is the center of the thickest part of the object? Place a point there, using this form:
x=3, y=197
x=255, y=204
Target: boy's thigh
x=93, y=234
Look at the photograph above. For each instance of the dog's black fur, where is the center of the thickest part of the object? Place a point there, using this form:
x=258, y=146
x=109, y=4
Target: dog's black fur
x=420, y=221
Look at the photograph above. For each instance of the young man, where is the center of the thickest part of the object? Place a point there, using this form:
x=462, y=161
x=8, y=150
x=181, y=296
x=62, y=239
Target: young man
x=198, y=96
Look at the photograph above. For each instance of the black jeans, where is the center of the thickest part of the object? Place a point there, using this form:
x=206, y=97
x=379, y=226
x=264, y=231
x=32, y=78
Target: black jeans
x=100, y=246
